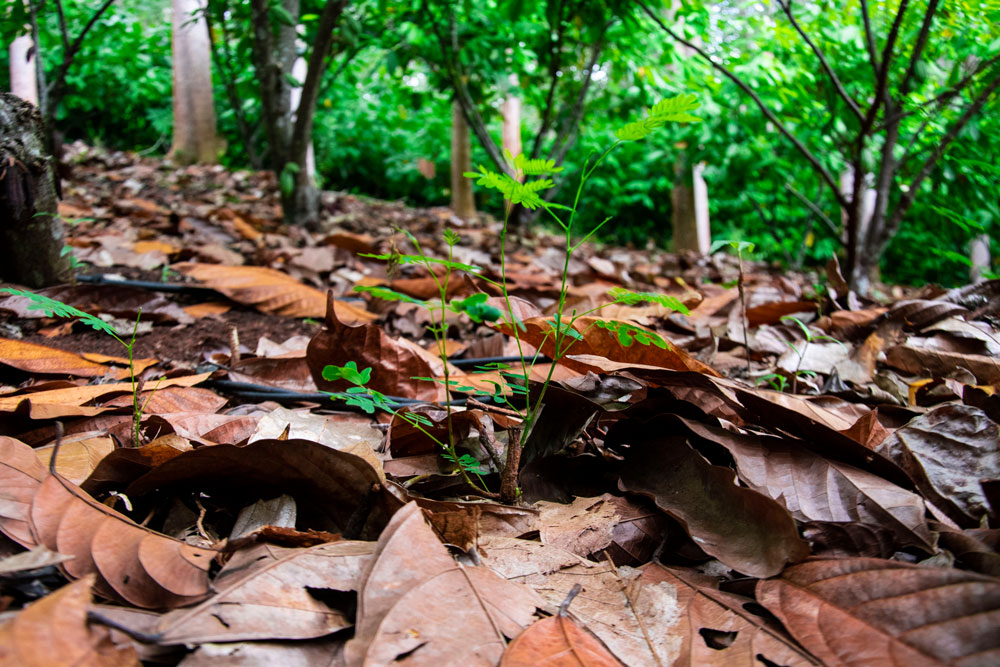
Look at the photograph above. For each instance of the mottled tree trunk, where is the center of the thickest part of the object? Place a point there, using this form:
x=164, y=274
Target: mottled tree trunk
x=195, y=138
x=31, y=233
x=462, y=201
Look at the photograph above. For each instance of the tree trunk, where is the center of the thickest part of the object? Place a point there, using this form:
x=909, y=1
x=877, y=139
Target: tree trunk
x=512, y=124
x=462, y=201
x=979, y=258
x=689, y=212
x=195, y=139
x=31, y=234
x=23, y=78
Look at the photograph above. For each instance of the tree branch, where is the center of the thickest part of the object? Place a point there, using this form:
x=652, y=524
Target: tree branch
x=806, y=153
x=817, y=211
x=869, y=37
x=786, y=6
x=918, y=48
x=223, y=63
x=63, y=30
x=55, y=88
x=302, y=131
x=555, y=62
x=906, y=201
x=882, y=76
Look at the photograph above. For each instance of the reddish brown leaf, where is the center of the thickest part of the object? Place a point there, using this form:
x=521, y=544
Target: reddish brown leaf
x=559, y=642
x=941, y=363
x=54, y=631
x=866, y=611
x=145, y=568
x=21, y=475
x=270, y=291
x=393, y=365
x=35, y=358
x=771, y=313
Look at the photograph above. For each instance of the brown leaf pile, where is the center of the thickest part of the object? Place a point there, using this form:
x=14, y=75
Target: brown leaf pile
x=705, y=504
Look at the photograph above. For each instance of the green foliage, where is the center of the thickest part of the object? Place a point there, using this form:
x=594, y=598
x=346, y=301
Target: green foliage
x=671, y=110
x=629, y=333
x=630, y=298
x=54, y=308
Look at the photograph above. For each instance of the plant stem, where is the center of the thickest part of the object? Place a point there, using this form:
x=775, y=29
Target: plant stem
x=743, y=309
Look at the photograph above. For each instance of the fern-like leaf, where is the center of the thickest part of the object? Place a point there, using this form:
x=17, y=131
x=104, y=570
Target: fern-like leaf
x=628, y=334
x=53, y=308
x=421, y=259
x=630, y=298
x=387, y=294
x=671, y=110
x=536, y=167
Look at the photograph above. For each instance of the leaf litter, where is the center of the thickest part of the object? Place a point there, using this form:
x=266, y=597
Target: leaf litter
x=832, y=503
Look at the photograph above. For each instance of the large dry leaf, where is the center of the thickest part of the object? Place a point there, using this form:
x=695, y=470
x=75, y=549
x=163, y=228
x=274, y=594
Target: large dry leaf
x=264, y=593
x=55, y=631
x=34, y=358
x=946, y=452
x=866, y=611
x=270, y=291
x=145, y=568
x=79, y=454
x=942, y=363
x=21, y=474
x=583, y=527
x=71, y=401
x=814, y=488
x=557, y=641
x=328, y=485
x=414, y=596
x=328, y=652
x=600, y=342
x=394, y=366
x=717, y=628
x=744, y=529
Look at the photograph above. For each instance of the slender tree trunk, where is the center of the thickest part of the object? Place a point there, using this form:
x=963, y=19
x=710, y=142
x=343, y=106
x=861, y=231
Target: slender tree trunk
x=462, y=201
x=23, y=75
x=31, y=234
x=195, y=139
x=979, y=258
x=689, y=210
x=511, y=134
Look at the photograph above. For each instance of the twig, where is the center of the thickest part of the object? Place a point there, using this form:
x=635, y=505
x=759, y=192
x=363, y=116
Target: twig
x=635, y=611
x=508, y=479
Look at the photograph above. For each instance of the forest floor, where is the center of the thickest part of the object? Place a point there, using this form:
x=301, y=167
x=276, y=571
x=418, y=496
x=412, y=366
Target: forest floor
x=719, y=480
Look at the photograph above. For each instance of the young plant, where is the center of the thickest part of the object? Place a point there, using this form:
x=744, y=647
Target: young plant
x=739, y=247
x=54, y=308
x=810, y=337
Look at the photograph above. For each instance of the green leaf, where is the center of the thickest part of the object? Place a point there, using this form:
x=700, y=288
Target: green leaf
x=630, y=333
x=387, y=294
x=630, y=298
x=421, y=259
x=54, y=308
x=283, y=15
x=671, y=110
x=347, y=372
x=476, y=308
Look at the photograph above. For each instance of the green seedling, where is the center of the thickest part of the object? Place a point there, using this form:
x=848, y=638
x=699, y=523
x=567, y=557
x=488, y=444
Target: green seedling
x=739, y=247
x=810, y=337
x=54, y=308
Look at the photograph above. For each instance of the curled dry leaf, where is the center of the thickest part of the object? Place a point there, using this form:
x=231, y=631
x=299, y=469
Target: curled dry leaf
x=54, y=631
x=145, y=568
x=328, y=485
x=269, y=291
x=744, y=529
x=393, y=365
x=419, y=603
x=79, y=454
x=867, y=611
x=557, y=640
x=946, y=452
x=264, y=593
x=814, y=488
x=34, y=358
x=21, y=474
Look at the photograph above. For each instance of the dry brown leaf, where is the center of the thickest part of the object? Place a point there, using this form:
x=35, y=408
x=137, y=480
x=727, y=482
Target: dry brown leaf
x=867, y=611
x=771, y=313
x=744, y=529
x=327, y=652
x=583, y=527
x=393, y=365
x=21, y=475
x=414, y=597
x=559, y=642
x=264, y=593
x=79, y=454
x=941, y=363
x=270, y=291
x=718, y=629
x=34, y=358
x=946, y=451
x=145, y=568
x=70, y=401
x=55, y=631
x=814, y=488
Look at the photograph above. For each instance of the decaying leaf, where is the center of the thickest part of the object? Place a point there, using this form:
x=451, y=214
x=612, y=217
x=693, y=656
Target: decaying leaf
x=866, y=611
x=21, y=475
x=557, y=640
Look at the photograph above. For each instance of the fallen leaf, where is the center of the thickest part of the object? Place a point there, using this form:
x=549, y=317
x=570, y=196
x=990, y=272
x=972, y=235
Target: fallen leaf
x=557, y=641
x=866, y=611
x=34, y=358
x=55, y=631
x=21, y=475
x=744, y=529
x=583, y=527
x=79, y=454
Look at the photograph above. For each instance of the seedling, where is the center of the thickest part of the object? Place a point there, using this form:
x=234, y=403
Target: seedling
x=739, y=247
x=810, y=337
x=54, y=308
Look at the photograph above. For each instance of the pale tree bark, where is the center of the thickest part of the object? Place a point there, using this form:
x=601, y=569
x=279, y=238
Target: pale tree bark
x=31, y=233
x=979, y=258
x=511, y=110
x=23, y=75
x=689, y=208
x=462, y=201
x=299, y=71
x=195, y=138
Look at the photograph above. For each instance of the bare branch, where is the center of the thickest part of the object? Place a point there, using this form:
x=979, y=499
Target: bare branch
x=906, y=201
x=918, y=48
x=806, y=153
x=63, y=30
x=55, y=88
x=555, y=63
x=786, y=5
x=882, y=76
x=817, y=211
x=869, y=38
